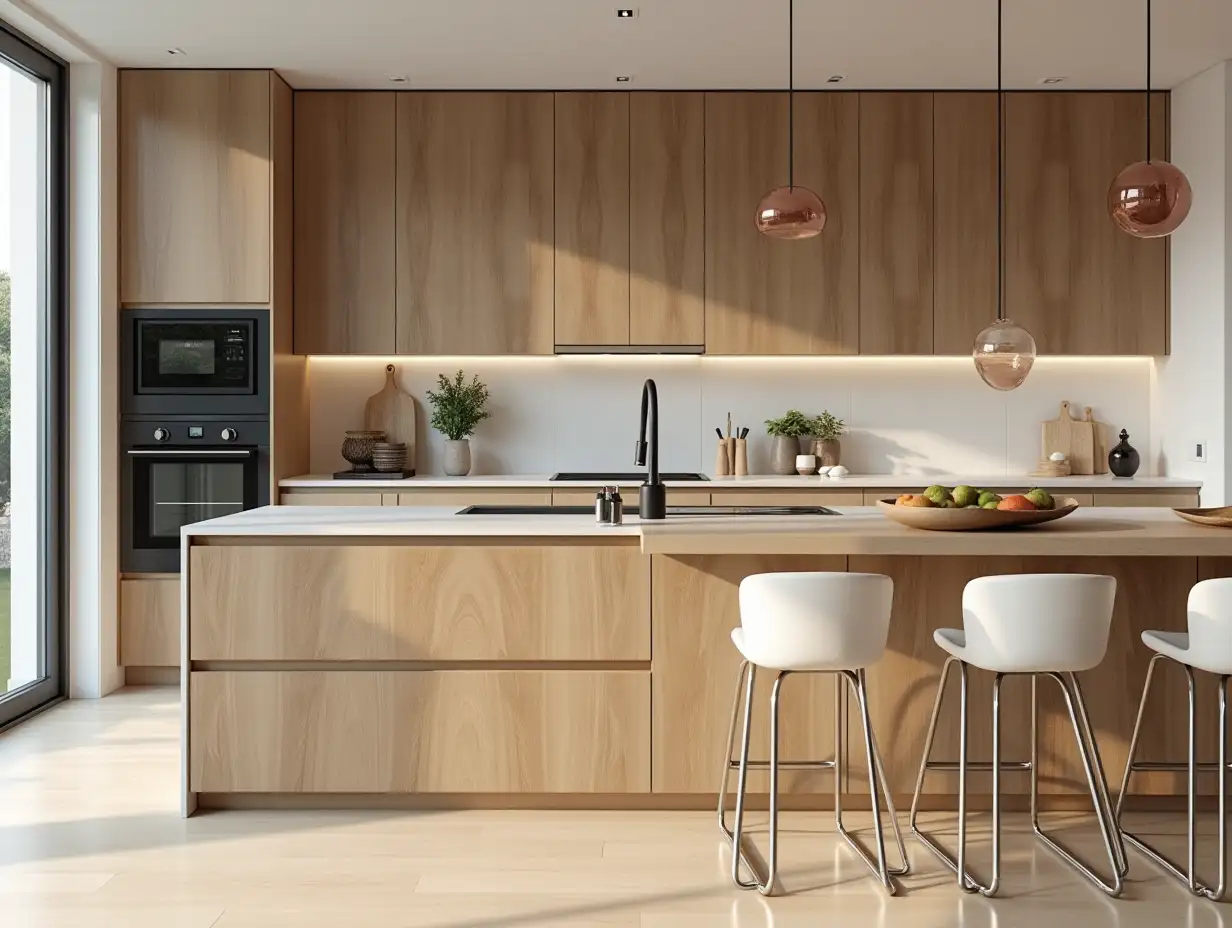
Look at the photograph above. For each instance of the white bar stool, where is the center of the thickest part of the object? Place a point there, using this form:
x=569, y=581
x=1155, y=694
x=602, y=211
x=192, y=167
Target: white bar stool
x=810, y=623
x=1206, y=646
x=1042, y=625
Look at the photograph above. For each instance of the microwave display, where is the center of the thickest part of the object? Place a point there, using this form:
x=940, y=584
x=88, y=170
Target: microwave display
x=195, y=357
x=185, y=356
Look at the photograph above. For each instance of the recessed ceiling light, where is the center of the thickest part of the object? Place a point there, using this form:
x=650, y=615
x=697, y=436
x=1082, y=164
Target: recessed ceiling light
x=623, y=78
x=626, y=13
x=835, y=79
x=399, y=79
x=176, y=51
x=1052, y=80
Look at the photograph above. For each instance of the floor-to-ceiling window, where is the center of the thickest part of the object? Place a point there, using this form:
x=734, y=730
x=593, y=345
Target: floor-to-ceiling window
x=32, y=299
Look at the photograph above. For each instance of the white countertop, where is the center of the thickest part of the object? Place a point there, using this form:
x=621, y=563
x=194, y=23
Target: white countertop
x=763, y=482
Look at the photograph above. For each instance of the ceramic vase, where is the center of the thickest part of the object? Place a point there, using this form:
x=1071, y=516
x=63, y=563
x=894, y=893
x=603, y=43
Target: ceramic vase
x=457, y=457
x=783, y=451
x=1123, y=460
x=828, y=452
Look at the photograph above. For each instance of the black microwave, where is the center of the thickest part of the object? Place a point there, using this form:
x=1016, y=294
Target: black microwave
x=200, y=361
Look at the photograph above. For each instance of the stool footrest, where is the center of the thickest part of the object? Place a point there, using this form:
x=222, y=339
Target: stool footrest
x=981, y=766
x=785, y=765
x=1173, y=767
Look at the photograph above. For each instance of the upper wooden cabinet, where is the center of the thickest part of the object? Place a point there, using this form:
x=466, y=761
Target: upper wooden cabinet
x=896, y=223
x=964, y=218
x=1072, y=278
x=344, y=223
x=767, y=297
x=592, y=218
x=195, y=186
x=474, y=223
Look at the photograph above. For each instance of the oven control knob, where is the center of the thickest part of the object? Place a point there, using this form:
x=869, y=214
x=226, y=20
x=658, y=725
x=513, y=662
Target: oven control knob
x=229, y=435
x=161, y=434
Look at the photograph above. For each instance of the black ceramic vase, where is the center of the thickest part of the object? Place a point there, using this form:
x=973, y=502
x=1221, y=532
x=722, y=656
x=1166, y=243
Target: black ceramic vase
x=1123, y=459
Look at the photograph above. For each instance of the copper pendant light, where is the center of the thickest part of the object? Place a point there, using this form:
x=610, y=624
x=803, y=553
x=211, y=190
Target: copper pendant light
x=1150, y=199
x=791, y=212
x=1004, y=352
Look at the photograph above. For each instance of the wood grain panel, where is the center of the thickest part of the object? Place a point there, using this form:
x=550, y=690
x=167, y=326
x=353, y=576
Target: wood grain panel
x=424, y=732
x=964, y=218
x=330, y=498
x=420, y=603
x=344, y=223
x=1079, y=284
x=667, y=207
x=433, y=496
x=592, y=218
x=675, y=497
x=695, y=607
x=821, y=496
x=194, y=190
x=928, y=594
x=767, y=297
x=474, y=223
x=1172, y=500
x=896, y=223
x=150, y=622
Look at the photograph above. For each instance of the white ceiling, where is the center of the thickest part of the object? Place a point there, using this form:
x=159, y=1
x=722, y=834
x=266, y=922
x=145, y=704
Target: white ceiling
x=671, y=44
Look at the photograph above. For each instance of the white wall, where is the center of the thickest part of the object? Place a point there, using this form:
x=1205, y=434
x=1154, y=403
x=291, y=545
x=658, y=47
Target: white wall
x=907, y=415
x=1190, y=388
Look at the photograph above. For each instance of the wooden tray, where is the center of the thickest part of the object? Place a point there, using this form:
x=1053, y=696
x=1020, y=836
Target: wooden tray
x=972, y=520
x=1220, y=516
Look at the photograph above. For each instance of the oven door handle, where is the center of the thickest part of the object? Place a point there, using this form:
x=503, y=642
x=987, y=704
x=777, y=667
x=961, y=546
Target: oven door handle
x=194, y=453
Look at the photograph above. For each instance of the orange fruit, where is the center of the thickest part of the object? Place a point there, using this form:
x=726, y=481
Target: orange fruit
x=1017, y=504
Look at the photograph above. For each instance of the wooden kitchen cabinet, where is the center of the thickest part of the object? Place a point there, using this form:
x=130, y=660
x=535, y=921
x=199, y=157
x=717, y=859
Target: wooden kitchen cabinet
x=195, y=186
x=767, y=297
x=592, y=218
x=344, y=223
x=1076, y=282
x=964, y=218
x=150, y=622
x=896, y=223
x=473, y=225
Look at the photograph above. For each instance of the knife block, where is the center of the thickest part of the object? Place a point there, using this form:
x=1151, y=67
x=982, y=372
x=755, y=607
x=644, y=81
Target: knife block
x=740, y=467
x=723, y=459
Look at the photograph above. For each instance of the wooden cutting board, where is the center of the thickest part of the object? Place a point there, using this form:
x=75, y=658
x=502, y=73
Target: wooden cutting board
x=1099, y=442
x=1075, y=438
x=393, y=412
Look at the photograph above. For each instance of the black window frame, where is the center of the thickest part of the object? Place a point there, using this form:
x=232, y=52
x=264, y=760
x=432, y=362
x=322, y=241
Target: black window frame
x=27, y=55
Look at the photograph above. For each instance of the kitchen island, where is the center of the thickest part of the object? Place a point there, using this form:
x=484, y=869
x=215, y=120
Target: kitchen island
x=352, y=656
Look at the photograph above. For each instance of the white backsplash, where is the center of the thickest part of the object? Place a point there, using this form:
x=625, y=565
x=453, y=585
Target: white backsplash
x=905, y=415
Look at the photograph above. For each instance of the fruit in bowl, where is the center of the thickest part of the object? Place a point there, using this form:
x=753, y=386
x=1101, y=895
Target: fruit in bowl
x=938, y=494
x=919, y=501
x=966, y=496
x=1041, y=498
x=1016, y=504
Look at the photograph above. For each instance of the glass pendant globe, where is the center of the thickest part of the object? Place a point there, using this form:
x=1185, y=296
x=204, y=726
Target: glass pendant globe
x=1003, y=354
x=791, y=213
x=1150, y=199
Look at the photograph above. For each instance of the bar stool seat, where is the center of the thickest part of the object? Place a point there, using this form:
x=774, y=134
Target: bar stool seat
x=1176, y=646
x=1041, y=625
x=816, y=622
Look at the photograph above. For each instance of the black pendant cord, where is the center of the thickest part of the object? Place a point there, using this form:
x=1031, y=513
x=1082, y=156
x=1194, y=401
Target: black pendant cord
x=791, y=87
x=1148, y=81
x=1001, y=177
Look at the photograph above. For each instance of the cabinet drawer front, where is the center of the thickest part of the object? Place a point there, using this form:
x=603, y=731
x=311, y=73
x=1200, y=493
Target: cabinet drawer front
x=331, y=498
x=150, y=623
x=1182, y=499
x=565, y=731
x=675, y=497
x=440, y=496
x=822, y=496
x=410, y=603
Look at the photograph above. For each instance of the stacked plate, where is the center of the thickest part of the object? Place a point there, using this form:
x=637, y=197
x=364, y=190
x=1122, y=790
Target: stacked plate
x=389, y=457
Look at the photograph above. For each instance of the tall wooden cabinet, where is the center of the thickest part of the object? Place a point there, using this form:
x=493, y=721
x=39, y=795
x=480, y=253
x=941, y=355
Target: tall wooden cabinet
x=344, y=223
x=766, y=297
x=195, y=186
x=1078, y=283
x=473, y=229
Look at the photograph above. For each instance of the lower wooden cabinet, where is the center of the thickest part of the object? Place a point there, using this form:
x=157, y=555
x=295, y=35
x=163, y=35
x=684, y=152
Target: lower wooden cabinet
x=818, y=497
x=150, y=622
x=1181, y=499
x=452, y=731
x=463, y=602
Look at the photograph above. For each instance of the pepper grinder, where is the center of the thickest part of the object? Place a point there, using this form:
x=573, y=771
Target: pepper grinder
x=1123, y=460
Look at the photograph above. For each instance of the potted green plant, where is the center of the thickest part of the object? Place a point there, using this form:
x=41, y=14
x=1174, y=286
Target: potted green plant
x=457, y=407
x=827, y=429
x=787, y=430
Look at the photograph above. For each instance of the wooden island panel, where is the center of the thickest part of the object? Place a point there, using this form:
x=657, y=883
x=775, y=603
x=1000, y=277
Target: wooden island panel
x=454, y=731
x=411, y=603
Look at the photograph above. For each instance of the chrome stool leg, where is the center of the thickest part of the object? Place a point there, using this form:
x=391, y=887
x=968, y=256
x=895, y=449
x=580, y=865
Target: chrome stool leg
x=1191, y=766
x=1103, y=810
x=730, y=762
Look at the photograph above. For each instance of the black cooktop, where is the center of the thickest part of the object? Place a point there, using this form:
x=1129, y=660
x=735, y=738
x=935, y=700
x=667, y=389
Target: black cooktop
x=617, y=477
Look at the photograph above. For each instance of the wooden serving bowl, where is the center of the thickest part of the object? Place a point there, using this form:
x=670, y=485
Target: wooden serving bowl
x=1219, y=516
x=973, y=520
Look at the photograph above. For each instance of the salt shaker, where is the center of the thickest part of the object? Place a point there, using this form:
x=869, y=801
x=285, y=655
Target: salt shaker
x=616, y=512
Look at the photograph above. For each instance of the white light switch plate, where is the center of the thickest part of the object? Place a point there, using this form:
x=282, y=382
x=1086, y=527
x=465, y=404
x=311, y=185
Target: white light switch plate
x=1197, y=451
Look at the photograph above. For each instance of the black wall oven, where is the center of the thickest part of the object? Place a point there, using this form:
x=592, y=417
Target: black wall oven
x=182, y=362
x=178, y=472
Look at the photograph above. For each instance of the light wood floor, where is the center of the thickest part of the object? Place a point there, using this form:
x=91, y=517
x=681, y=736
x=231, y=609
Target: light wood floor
x=89, y=836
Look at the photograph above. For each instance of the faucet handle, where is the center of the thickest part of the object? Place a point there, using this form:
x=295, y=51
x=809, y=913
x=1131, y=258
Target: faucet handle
x=639, y=454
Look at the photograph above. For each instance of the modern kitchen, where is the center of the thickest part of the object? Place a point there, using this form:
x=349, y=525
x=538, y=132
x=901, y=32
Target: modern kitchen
x=494, y=409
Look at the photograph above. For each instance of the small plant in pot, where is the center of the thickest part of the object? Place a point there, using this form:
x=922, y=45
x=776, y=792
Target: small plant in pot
x=457, y=407
x=787, y=430
x=827, y=429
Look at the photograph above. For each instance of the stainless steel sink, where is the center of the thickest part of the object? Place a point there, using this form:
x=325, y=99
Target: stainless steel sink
x=671, y=511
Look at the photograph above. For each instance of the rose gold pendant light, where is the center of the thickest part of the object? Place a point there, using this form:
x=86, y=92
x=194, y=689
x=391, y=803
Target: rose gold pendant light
x=1150, y=199
x=791, y=212
x=1004, y=351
